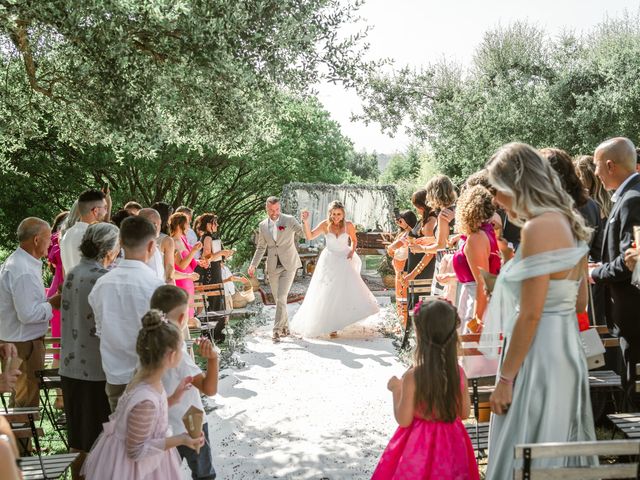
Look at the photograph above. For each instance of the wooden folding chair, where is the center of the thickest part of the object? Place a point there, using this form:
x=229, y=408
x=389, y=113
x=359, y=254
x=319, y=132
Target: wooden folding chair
x=421, y=288
x=626, y=467
x=209, y=319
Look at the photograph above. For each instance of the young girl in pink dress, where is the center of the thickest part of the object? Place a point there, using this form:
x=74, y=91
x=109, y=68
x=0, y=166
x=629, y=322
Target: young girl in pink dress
x=135, y=444
x=185, y=261
x=428, y=403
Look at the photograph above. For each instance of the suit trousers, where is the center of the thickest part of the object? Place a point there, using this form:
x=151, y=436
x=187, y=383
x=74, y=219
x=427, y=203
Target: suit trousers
x=27, y=393
x=280, y=281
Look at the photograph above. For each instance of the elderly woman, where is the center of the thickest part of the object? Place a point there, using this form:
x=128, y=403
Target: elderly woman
x=478, y=250
x=83, y=380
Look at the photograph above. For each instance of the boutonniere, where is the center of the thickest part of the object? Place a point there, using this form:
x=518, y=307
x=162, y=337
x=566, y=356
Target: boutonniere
x=280, y=228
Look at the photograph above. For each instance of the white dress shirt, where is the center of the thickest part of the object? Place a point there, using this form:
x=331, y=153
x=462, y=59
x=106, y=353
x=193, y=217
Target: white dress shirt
x=24, y=310
x=156, y=263
x=70, y=245
x=620, y=189
x=119, y=300
x=170, y=381
x=273, y=228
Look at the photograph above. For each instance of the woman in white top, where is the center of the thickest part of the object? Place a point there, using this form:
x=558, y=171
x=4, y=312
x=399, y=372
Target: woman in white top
x=399, y=252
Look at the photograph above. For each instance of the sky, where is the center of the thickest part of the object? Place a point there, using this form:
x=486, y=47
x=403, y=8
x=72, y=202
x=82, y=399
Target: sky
x=419, y=32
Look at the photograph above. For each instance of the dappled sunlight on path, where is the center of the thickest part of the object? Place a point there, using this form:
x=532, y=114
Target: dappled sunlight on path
x=306, y=408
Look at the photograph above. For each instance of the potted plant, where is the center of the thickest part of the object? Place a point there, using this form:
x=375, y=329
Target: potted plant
x=386, y=271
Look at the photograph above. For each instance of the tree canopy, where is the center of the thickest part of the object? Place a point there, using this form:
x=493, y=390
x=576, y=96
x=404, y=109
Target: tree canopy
x=135, y=76
x=569, y=91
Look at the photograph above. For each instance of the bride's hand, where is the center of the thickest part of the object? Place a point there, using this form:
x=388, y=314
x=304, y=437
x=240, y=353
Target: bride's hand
x=350, y=255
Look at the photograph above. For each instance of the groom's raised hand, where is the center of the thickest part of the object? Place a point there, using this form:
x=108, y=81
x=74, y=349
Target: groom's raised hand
x=251, y=271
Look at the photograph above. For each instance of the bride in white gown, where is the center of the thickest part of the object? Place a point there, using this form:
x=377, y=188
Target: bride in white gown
x=337, y=296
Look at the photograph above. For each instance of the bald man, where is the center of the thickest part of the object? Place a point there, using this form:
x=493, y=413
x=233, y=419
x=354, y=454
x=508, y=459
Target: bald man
x=25, y=311
x=616, y=162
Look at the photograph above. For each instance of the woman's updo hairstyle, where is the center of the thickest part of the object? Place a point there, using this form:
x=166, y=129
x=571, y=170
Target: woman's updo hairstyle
x=99, y=240
x=157, y=337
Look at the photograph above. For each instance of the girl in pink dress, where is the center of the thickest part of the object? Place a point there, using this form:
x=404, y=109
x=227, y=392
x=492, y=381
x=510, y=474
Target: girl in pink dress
x=135, y=443
x=55, y=261
x=429, y=402
x=185, y=261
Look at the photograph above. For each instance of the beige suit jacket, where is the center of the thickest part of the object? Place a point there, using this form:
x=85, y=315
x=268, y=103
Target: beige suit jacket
x=284, y=247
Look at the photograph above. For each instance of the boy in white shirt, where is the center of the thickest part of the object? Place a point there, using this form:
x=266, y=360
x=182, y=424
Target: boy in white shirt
x=174, y=302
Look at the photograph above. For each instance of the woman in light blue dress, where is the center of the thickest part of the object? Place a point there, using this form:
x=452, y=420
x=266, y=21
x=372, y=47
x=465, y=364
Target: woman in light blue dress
x=542, y=392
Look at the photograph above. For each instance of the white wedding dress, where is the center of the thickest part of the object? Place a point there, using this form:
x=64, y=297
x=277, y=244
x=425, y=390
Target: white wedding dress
x=337, y=296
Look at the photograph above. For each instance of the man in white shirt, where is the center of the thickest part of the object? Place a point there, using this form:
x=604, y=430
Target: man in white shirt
x=93, y=206
x=156, y=261
x=24, y=309
x=119, y=300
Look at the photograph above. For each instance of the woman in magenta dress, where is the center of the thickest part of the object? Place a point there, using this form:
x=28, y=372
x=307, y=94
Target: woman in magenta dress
x=55, y=263
x=136, y=443
x=429, y=403
x=478, y=250
x=184, y=254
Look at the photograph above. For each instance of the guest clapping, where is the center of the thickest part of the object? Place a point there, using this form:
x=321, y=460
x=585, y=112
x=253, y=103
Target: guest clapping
x=25, y=311
x=477, y=251
x=184, y=255
x=399, y=252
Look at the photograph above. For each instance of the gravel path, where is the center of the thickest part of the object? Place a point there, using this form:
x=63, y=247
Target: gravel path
x=305, y=408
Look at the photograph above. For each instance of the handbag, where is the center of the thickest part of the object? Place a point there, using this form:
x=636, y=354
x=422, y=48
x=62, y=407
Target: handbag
x=244, y=295
x=592, y=343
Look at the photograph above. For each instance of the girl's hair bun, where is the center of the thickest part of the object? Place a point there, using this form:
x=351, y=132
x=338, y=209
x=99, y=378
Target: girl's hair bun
x=152, y=320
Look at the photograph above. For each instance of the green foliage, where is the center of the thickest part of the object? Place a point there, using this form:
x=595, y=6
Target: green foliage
x=364, y=167
x=409, y=171
x=50, y=174
x=133, y=76
x=570, y=92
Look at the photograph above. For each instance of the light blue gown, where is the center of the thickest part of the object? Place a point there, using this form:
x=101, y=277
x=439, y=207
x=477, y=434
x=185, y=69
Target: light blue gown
x=551, y=401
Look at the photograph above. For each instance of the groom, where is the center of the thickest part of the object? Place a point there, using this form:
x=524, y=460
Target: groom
x=277, y=235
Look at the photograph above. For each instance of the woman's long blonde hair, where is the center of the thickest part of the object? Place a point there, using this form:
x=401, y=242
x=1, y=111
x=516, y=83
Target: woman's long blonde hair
x=518, y=170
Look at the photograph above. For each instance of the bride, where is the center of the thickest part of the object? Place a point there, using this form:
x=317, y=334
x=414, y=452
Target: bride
x=337, y=296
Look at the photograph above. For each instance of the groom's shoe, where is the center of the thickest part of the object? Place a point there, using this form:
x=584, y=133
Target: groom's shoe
x=276, y=337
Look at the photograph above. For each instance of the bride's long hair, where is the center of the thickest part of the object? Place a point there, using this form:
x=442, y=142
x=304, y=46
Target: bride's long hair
x=518, y=170
x=336, y=205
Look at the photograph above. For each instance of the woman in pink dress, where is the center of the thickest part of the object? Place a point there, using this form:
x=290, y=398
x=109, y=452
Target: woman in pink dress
x=429, y=402
x=134, y=444
x=55, y=263
x=185, y=261
x=478, y=250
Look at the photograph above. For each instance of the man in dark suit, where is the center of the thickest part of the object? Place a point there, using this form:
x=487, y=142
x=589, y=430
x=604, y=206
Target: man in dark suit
x=616, y=162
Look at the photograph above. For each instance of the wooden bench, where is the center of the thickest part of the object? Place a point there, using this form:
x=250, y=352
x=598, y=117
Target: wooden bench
x=45, y=468
x=526, y=454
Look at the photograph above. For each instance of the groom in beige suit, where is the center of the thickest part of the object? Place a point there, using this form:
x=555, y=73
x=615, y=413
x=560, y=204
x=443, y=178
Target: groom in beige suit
x=277, y=236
